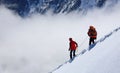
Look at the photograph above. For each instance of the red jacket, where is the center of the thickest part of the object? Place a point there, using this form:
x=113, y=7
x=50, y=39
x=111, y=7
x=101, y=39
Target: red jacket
x=73, y=45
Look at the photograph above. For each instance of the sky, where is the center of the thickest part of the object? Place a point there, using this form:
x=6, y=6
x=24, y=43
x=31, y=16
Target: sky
x=39, y=43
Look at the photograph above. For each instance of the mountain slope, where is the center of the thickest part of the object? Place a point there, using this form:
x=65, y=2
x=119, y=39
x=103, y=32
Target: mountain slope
x=103, y=58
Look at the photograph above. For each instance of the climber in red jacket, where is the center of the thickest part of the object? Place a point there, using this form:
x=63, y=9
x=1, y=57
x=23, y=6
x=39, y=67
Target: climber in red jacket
x=72, y=48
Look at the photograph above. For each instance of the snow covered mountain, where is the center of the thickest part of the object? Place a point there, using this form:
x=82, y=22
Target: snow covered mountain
x=39, y=44
x=104, y=57
x=27, y=7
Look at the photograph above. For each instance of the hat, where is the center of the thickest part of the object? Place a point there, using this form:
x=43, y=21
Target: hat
x=70, y=39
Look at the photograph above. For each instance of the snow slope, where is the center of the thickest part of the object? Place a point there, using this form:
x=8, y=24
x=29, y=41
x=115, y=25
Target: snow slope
x=103, y=58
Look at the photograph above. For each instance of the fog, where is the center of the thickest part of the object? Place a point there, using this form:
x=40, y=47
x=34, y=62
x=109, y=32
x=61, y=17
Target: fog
x=39, y=43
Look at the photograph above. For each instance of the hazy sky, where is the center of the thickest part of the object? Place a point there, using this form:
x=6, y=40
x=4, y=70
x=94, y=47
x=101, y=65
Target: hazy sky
x=39, y=44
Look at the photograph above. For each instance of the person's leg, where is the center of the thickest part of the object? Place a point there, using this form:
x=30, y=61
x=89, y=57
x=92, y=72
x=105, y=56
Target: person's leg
x=90, y=40
x=74, y=53
x=70, y=54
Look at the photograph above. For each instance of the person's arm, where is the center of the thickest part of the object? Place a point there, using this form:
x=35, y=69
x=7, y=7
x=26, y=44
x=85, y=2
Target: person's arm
x=76, y=44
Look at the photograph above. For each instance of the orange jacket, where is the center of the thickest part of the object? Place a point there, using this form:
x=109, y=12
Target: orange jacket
x=92, y=33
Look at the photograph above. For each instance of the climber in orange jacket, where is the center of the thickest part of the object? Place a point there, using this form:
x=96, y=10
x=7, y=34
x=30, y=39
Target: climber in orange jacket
x=92, y=33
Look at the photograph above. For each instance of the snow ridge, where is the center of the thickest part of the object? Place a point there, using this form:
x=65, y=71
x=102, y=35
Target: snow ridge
x=89, y=48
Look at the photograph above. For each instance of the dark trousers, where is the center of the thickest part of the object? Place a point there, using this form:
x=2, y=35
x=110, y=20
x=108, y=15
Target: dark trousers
x=91, y=41
x=72, y=54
